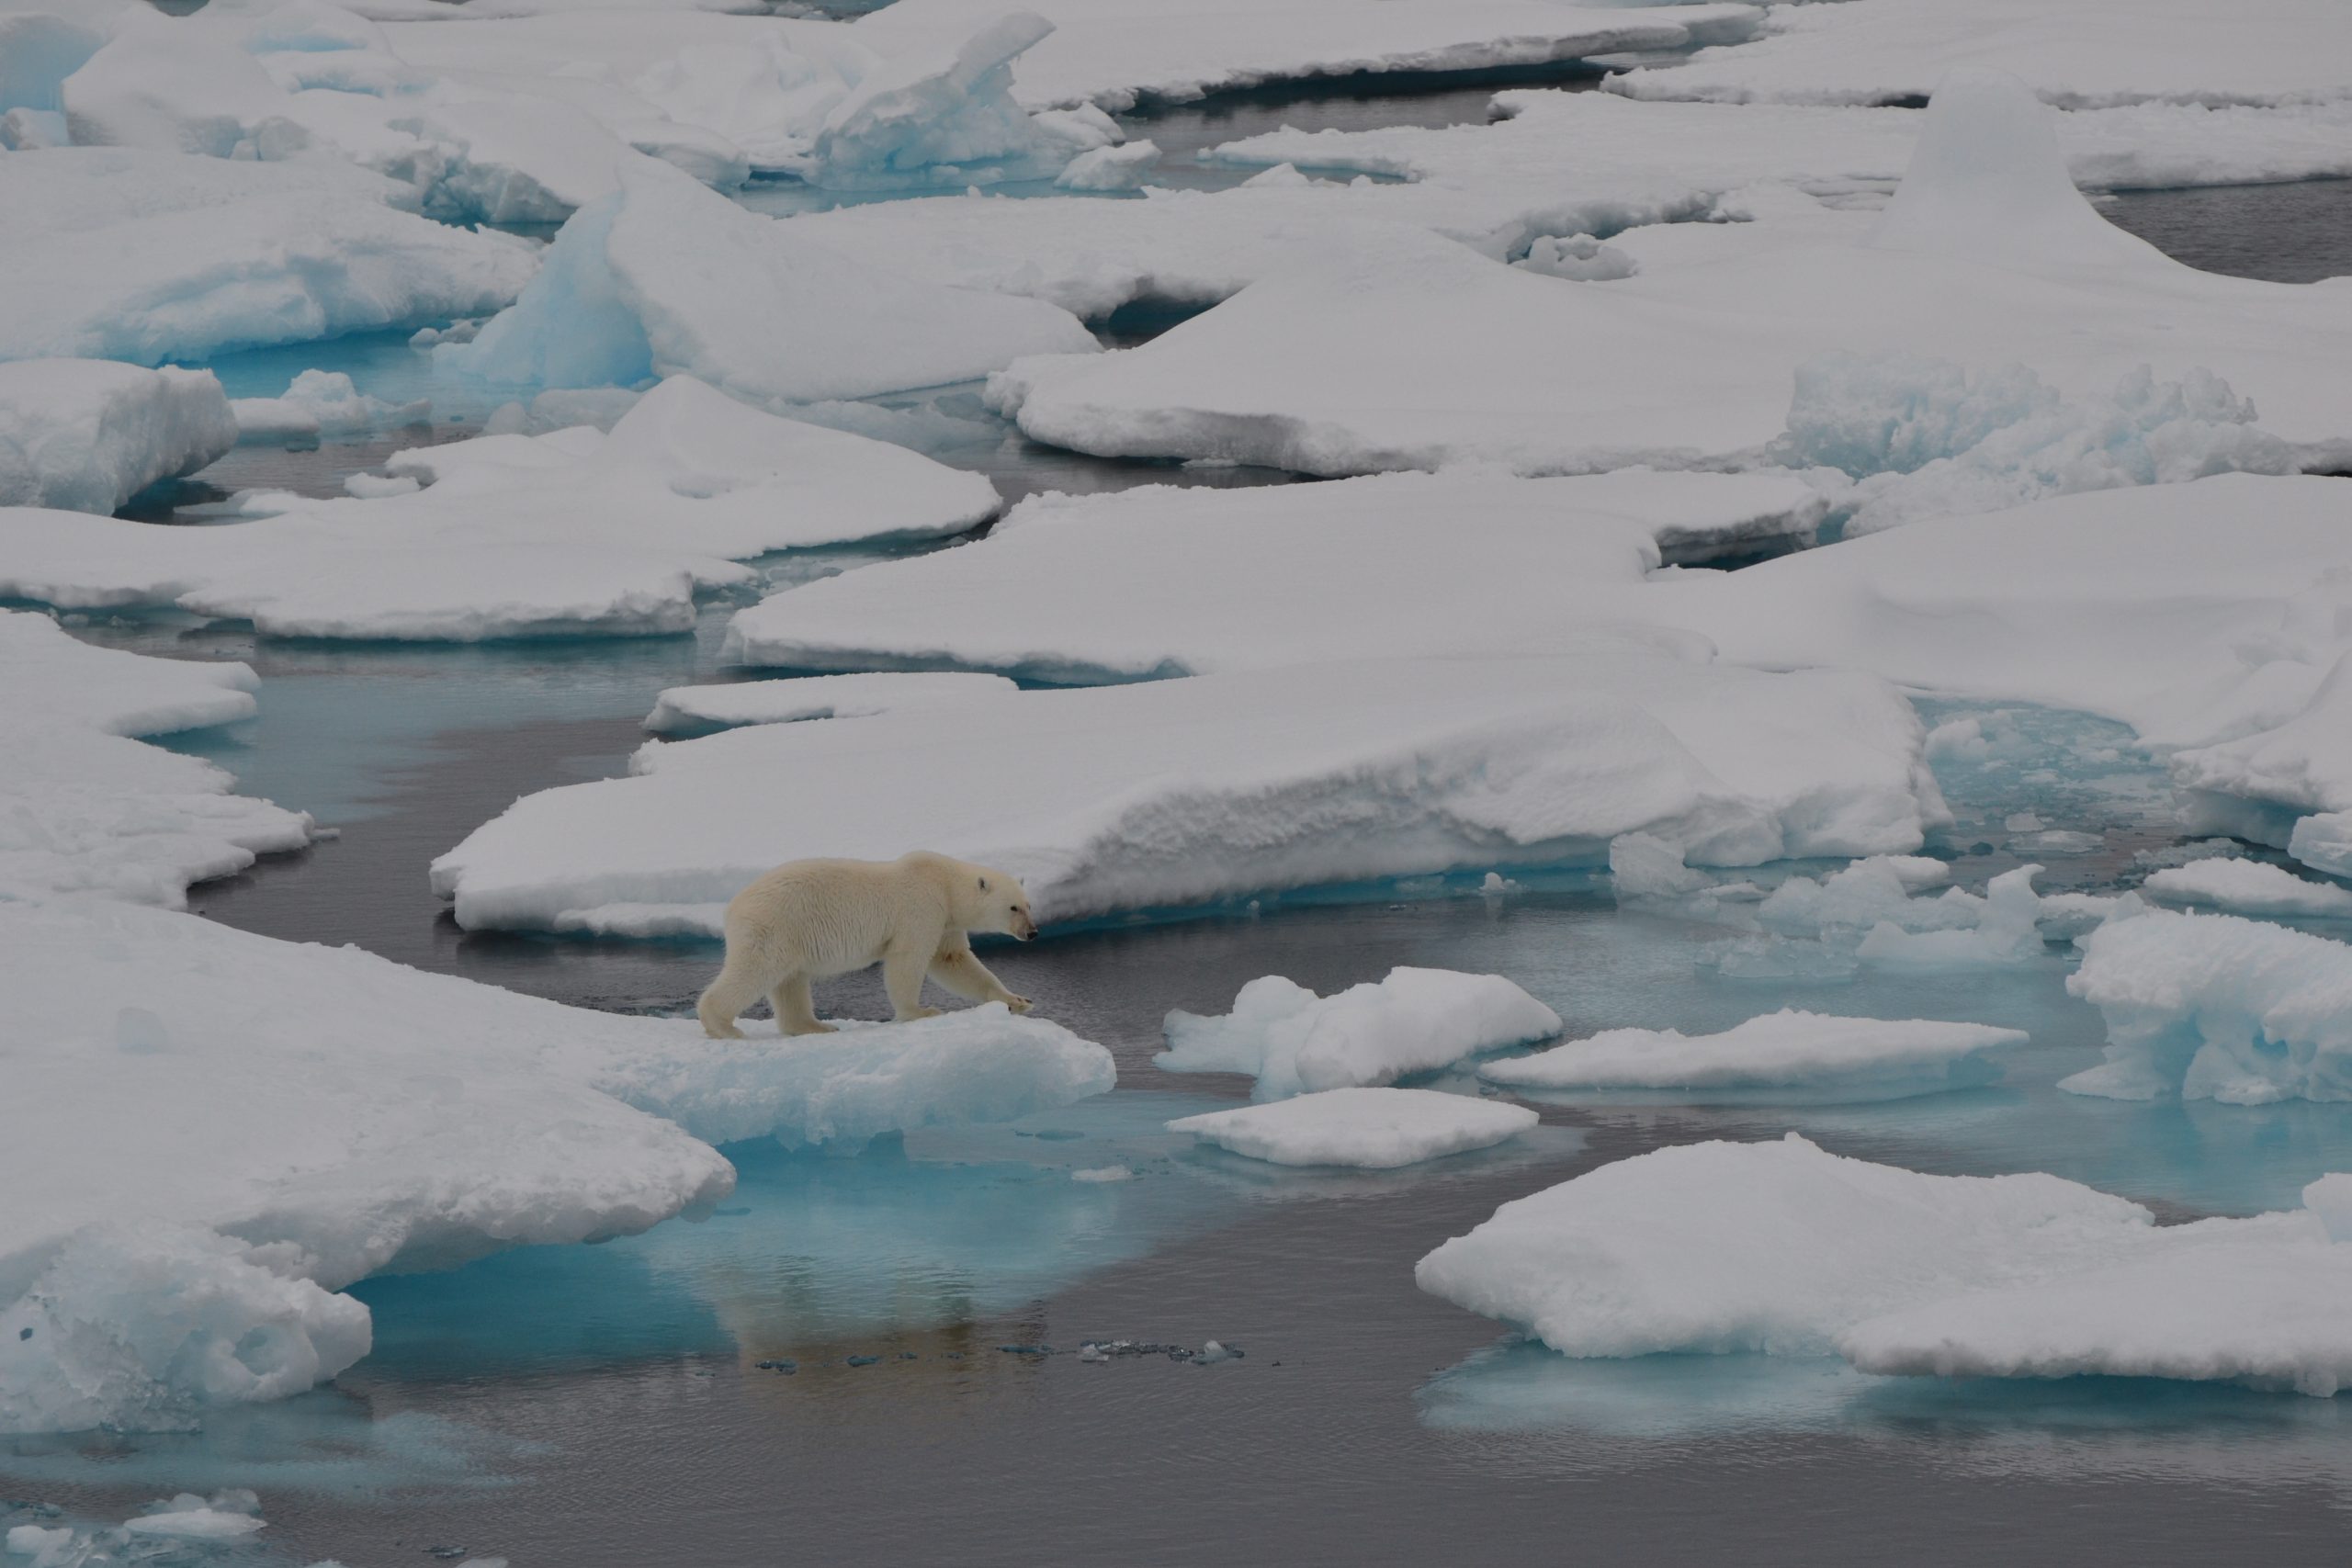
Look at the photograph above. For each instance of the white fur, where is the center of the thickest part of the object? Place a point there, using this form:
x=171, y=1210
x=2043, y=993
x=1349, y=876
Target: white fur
x=814, y=918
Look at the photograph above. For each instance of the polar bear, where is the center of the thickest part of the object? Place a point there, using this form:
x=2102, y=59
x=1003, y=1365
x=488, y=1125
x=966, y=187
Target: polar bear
x=811, y=919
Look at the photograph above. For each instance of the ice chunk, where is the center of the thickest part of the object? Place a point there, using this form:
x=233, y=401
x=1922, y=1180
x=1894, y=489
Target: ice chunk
x=2303, y=764
x=669, y=277
x=1579, y=258
x=1785, y=1249
x=323, y=402
x=2331, y=1198
x=572, y=533
x=147, y=256
x=1802, y=1052
x=2247, y=887
x=695, y=709
x=1370, y=1035
x=199, y=1523
x=1170, y=792
x=2324, y=842
x=2006, y=931
x=2214, y=1006
x=86, y=435
x=1375, y=1129
x=168, y=83
x=1122, y=167
x=37, y=52
x=937, y=117
x=1162, y=580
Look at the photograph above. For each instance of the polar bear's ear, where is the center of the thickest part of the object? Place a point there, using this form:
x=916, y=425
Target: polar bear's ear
x=984, y=884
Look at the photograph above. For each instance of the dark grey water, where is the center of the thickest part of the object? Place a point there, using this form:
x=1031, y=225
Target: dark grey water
x=2296, y=233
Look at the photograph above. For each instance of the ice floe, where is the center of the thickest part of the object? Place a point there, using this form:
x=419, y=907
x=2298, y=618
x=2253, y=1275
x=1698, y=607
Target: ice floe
x=2248, y=888
x=1294, y=1042
x=87, y=434
x=1166, y=580
x=1172, y=792
x=322, y=403
x=85, y=807
x=575, y=532
x=1785, y=1249
x=1802, y=1055
x=689, y=710
x=2216, y=1006
x=667, y=277
x=121, y=253
x=1374, y=1129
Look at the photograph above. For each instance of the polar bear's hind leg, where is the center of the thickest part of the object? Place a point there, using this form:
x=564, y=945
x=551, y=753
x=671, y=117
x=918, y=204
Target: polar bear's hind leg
x=735, y=989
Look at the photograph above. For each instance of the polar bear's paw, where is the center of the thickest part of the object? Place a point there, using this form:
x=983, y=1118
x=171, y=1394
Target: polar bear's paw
x=1018, y=1004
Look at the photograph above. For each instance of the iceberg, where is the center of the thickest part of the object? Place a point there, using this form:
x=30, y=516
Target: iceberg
x=667, y=277
x=1165, y=579
x=2217, y=1007
x=2248, y=888
x=1367, y=1036
x=692, y=710
x=1787, y=1053
x=1782, y=1248
x=1174, y=792
x=577, y=531
x=1371, y=1129
x=86, y=435
x=131, y=253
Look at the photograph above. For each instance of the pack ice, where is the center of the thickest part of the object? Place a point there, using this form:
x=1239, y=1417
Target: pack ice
x=2216, y=1006
x=666, y=277
x=1163, y=580
x=1372, y=1129
x=84, y=807
x=1783, y=1249
x=1172, y=792
x=691, y=710
x=86, y=435
x=576, y=531
x=1294, y=1042
x=1801, y=1054
x=133, y=253
x=282, y=1120
x=1420, y=353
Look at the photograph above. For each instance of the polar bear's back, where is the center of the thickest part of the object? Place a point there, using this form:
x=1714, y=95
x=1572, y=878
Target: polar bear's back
x=829, y=917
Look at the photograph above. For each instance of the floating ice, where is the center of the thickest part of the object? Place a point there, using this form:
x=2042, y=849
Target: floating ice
x=2247, y=887
x=695, y=709
x=320, y=403
x=1164, y=580
x=2302, y=764
x=1785, y=1249
x=575, y=532
x=1801, y=1053
x=1369, y=1036
x=2214, y=1006
x=1110, y=168
x=668, y=277
x=1580, y=258
x=2324, y=842
x=1374, y=1129
x=86, y=435
x=1170, y=792
x=131, y=253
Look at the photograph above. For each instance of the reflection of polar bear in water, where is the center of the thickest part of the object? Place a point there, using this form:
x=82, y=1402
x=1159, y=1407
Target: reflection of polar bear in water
x=815, y=918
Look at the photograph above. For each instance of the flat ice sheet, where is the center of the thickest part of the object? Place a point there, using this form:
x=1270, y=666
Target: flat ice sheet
x=1800, y=1053
x=2248, y=888
x=688, y=710
x=1371, y=1129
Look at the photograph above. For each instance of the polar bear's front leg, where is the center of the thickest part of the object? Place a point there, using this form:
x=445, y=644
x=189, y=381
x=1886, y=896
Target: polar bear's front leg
x=796, y=1009
x=957, y=971
x=902, y=971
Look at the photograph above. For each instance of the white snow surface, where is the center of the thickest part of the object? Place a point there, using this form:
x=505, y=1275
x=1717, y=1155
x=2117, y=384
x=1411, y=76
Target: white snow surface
x=1171, y=792
x=1164, y=580
x=1372, y=1129
x=577, y=531
x=1419, y=353
x=87, y=434
x=666, y=277
x=2247, y=887
x=133, y=253
x=2217, y=1007
x=241, y=1125
x=85, y=807
x=1294, y=1042
x=1804, y=1052
x=1785, y=1249
x=724, y=705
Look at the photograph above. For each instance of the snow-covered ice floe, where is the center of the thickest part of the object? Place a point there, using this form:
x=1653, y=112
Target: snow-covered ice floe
x=666, y=277
x=2248, y=888
x=208, y=1131
x=575, y=532
x=2289, y=783
x=1782, y=1248
x=322, y=404
x=1420, y=353
x=1374, y=1129
x=2216, y=1006
x=123, y=253
x=84, y=807
x=1165, y=579
x=1174, y=792
x=87, y=434
x=1801, y=1055
x=1294, y=1042
x=692, y=710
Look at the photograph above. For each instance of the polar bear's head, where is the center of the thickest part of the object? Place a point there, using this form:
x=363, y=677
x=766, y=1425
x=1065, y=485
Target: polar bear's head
x=999, y=904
